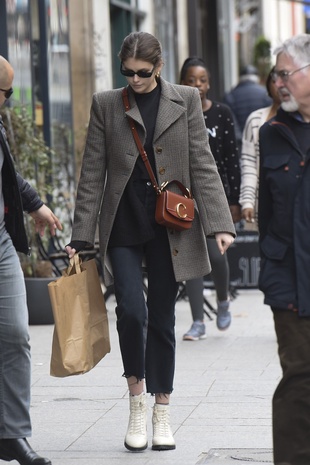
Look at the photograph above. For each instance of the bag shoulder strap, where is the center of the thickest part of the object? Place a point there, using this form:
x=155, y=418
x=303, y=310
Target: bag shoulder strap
x=138, y=142
x=186, y=192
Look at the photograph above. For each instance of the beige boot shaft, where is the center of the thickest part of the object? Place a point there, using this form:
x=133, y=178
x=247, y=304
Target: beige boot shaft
x=136, y=436
x=162, y=434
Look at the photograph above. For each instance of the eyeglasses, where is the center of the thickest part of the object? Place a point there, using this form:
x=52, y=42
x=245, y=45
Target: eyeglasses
x=284, y=75
x=140, y=73
x=7, y=92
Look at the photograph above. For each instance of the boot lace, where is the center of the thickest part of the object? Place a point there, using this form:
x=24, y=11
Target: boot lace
x=161, y=421
x=137, y=418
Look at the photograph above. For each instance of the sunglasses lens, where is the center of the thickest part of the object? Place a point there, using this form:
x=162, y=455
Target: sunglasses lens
x=141, y=74
x=144, y=74
x=127, y=72
x=8, y=93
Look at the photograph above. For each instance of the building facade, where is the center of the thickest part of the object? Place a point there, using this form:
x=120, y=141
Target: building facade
x=65, y=50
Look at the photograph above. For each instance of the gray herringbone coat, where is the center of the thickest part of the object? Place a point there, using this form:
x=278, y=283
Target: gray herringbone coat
x=181, y=151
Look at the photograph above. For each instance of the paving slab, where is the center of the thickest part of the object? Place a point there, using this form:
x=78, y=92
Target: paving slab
x=220, y=407
x=237, y=457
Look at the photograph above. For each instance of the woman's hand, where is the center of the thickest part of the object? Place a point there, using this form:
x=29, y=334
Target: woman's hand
x=44, y=217
x=235, y=211
x=70, y=251
x=224, y=240
x=248, y=215
x=74, y=247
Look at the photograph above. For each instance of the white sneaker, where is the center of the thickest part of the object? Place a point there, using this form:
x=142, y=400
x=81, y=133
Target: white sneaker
x=162, y=435
x=136, y=436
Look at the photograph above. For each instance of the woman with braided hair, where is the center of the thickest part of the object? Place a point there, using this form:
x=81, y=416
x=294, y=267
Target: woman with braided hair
x=220, y=126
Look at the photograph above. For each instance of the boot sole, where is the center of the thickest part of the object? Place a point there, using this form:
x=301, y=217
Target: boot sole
x=135, y=449
x=163, y=447
x=190, y=338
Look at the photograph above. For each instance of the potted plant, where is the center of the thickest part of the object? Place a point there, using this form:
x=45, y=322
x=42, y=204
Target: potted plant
x=262, y=57
x=41, y=167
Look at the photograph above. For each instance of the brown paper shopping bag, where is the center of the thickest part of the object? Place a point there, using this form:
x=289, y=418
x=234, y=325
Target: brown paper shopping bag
x=81, y=333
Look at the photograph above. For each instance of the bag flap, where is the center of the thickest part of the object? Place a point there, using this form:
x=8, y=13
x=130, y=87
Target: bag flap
x=179, y=206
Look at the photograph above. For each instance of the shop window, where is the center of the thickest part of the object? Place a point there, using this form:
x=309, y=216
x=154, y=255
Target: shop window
x=18, y=51
x=165, y=31
x=124, y=18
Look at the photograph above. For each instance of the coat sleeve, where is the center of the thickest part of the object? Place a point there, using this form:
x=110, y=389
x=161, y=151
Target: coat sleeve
x=92, y=179
x=30, y=198
x=249, y=160
x=264, y=196
x=231, y=155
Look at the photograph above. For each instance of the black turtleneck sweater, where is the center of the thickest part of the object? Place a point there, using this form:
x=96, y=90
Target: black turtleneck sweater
x=135, y=218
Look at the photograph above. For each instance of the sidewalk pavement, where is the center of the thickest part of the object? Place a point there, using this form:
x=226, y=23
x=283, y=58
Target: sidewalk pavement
x=220, y=407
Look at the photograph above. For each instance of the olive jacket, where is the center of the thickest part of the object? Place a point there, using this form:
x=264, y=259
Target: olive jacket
x=181, y=151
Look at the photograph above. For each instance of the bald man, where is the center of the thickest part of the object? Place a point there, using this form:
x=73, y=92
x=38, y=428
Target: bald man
x=16, y=196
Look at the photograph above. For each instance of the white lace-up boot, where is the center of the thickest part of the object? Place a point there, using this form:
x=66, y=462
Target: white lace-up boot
x=162, y=435
x=136, y=436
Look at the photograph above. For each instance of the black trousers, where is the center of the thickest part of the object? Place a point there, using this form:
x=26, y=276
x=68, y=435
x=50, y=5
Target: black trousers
x=146, y=327
x=291, y=400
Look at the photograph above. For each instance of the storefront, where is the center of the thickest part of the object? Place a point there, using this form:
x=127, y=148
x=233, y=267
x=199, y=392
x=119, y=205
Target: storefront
x=34, y=37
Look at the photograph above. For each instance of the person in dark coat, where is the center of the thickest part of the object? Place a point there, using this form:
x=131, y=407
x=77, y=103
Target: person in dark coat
x=247, y=96
x=16, y=196
x=284, y=225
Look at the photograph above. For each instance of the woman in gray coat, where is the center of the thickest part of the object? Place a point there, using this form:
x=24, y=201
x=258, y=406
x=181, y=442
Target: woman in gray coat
x=115, y=186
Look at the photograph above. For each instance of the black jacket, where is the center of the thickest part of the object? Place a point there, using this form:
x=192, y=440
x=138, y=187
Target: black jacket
x=18, y=196
x=284, y=215
x=243, y=99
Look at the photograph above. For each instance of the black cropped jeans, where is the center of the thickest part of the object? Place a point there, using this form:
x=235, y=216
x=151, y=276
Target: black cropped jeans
x=146, y=325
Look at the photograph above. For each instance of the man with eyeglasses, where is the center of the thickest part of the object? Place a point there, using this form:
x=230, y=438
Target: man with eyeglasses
x=16, y=196
x=284, y=227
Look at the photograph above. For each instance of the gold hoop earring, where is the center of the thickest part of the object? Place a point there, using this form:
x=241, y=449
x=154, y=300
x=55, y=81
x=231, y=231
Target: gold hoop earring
x=157, y=74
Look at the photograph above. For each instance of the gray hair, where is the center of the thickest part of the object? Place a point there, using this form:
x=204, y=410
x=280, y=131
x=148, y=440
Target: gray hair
x=297, y=47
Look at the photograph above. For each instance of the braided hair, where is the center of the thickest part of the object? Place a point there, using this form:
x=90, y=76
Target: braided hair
x=188, y=63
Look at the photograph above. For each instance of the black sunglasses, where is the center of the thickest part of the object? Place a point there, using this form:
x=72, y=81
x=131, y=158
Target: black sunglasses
x=141, y=73
x=7, y=92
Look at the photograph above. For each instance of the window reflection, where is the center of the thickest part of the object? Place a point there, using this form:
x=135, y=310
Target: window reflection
x=38, y=49
x=18, y=27
x=59, y=62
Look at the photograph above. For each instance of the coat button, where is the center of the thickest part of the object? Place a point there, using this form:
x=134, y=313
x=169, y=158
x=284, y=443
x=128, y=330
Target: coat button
x=158, y=149
x=175, y=252
x=162, y=170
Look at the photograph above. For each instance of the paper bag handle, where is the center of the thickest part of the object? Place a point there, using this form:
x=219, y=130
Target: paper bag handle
x=74, y=263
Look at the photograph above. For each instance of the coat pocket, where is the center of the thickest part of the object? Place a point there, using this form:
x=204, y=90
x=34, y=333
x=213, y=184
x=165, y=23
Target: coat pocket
x=273, y=162
x=273, y=248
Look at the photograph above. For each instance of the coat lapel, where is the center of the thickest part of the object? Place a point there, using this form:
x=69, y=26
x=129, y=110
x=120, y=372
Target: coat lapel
x=134, y=110
x=171, y=108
